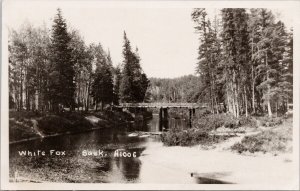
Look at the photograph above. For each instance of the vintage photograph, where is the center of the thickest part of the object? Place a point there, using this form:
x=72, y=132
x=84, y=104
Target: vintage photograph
x=149, y=95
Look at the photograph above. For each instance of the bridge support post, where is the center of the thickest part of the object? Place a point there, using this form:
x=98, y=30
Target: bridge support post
x=160, y=119
x=166, y=117
x=190, y=117
x=194, y=111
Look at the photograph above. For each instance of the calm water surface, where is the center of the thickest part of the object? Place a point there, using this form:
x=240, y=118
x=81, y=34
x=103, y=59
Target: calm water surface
x=75, y=167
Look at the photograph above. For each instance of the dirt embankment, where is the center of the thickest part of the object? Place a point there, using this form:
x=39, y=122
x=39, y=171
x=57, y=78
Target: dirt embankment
x=25, y=126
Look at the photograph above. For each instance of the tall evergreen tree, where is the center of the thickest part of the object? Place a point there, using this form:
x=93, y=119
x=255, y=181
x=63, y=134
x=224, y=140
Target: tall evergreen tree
x=271, y=47
x=140, y=80
x=82, y=58
x=126, y=86
x=61, y=84
x=134, y=82
x=286, y=75
x=209, y=58
x=236, y=57
x=102, y=86
x=254, y=36
x=117, y=81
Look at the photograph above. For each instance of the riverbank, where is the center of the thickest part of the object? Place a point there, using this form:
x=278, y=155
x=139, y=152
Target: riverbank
x=255, y=134
x=24, y=126
x=251, y=154
x=275, y=140
x=214, y=164
x=208, y=129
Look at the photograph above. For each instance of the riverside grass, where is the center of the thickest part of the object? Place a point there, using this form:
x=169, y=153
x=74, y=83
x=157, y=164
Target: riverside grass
x=274, y=137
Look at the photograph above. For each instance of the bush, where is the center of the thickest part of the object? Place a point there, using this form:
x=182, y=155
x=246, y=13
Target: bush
x=270, y=121
x=178, y=137
x=248, y=121
x=266, y=141
x=231, y=124
x=249, y=143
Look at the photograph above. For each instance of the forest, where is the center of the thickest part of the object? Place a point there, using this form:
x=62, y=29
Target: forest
x=245, y=61
x=245, y=64
x=52, y=69
x=245, y=67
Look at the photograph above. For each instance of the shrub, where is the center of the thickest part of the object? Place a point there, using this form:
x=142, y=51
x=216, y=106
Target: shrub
x=230, y=123
x=178, y=137
x=266, y=141
x=270, y=121
x=248, y=121
x=240, y=148
x=249, y=143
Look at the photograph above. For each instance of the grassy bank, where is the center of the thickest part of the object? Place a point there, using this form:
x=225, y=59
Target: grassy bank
x=275, y=138
x=29, y=125
x=272, y=135
x=205, y=130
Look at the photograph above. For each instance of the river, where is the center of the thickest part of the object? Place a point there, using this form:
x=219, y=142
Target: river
x=149, y=162
x=92, y=156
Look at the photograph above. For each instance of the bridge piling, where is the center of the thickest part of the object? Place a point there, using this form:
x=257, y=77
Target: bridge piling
x=191, y=111
x=160, y=119
x=165, y=117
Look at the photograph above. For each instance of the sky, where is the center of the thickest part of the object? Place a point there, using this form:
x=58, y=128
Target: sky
x=165, y=36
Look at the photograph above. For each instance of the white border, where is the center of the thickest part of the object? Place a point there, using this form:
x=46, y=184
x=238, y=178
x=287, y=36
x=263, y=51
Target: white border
x=5, y=184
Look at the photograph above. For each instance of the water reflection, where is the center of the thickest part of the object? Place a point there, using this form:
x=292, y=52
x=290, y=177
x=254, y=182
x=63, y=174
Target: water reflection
x=77, y=168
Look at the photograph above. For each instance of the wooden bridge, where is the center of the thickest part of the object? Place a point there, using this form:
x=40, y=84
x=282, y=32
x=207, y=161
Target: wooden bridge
x=161, y=105
x=163, y=109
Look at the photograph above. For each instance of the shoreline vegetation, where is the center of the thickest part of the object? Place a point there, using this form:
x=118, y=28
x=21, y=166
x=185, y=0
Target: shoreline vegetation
x=255, y=134
x=252, y=134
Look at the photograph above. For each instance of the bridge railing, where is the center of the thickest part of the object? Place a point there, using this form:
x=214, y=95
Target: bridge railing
x=158, y=105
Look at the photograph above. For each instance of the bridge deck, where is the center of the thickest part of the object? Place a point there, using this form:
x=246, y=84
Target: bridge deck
x=160, y=105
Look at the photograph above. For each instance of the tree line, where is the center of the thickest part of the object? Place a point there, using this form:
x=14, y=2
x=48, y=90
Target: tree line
x=245, y=61
x=52, y=69
x=245, y=65
x=185, y=89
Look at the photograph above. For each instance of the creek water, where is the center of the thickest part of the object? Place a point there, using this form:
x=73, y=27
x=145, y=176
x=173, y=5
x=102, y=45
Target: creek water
x=110, y=155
